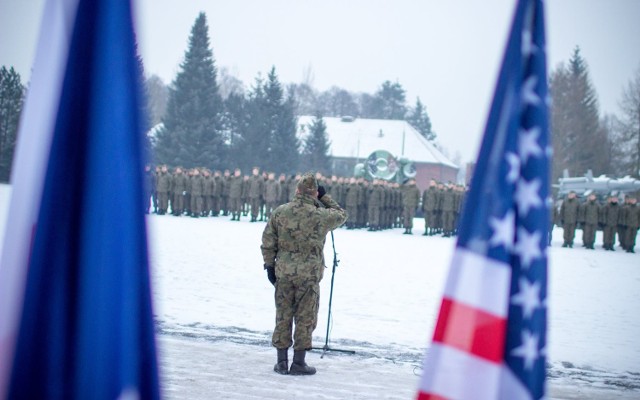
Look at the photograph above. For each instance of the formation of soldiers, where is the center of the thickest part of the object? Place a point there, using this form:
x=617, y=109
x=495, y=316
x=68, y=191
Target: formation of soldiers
x=375, y=206
x=590, y=215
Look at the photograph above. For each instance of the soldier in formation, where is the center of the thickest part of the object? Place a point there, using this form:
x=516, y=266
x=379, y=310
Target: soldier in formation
x=374, y=206
x=569, y=218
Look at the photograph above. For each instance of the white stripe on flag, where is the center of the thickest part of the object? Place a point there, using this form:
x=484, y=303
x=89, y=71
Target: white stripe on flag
x=30, y=161
x=479, y=282
x=455, y=374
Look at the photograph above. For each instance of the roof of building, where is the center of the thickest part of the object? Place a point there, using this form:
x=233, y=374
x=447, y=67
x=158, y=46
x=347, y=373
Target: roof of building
x=358, y=138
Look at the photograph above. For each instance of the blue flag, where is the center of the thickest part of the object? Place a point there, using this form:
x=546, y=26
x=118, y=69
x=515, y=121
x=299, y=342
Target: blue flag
x=490, y=339
x=87, y=330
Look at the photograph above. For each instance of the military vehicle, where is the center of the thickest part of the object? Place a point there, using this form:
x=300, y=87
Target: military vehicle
x=602, y=186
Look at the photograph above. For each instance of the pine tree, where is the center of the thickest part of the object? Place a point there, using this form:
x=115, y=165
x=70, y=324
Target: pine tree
x=419, y=119
x=316, y=147
x=192, y=125
x=11, y=98
x=281, y=124
x=390, y=101
x=575, y=121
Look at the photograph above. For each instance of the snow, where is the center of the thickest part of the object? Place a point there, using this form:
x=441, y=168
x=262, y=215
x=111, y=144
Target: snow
x=215, y=314
x=360, y=137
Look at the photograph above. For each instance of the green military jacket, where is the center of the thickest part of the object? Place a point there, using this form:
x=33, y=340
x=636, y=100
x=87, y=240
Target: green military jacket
x=293, y=239
x=411, y=196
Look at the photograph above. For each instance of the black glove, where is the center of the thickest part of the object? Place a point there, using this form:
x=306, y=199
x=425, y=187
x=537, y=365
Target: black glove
x=321, y=191
x=271, y=273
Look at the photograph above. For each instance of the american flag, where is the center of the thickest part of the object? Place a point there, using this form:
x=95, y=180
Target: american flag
x=490, y=337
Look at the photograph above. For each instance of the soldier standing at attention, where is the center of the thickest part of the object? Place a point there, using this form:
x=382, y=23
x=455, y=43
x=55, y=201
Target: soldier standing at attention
x=179, y=189
x=374, y=204
x=589, y=212
x=163, y=187
x=225, y=192
x=217, y=193
x=352, y=202
x=207, y=194
x=235, y=195
x=632, y=219
x=256, y=189
x=271, y=194
x=410, y=201
x=569, y=218
x=609, y=217
x=292, y=250
x=448, y=209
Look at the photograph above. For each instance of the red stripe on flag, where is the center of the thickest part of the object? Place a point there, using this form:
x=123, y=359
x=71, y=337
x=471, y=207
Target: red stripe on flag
x=471, y=330
x=429, y=396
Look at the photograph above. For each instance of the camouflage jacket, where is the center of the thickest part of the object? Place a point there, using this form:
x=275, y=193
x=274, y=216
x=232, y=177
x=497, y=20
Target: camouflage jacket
x=411, y=196
x=163, y=182
x=293, y=239
x=569, y=211
x=235, y=187
x=271, y=191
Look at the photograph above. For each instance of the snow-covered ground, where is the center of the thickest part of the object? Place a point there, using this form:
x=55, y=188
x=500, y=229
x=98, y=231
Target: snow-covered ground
x=215, y=313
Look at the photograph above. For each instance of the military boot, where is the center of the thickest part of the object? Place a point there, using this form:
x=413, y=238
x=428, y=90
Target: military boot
x=298, y=366
x=282, y=366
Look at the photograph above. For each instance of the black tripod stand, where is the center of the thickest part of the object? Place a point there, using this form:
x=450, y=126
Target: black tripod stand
x=326, y=347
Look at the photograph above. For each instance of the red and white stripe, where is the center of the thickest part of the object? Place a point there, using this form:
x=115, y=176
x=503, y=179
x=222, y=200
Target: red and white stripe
x=465, y=360
x=29, y=166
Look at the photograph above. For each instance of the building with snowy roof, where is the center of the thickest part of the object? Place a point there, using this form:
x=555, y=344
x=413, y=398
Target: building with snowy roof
x=352, y=140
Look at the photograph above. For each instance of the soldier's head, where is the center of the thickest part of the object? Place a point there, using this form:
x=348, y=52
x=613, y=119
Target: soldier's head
x=308, y=185
x=227, y=172
x=164, y=168
x=237, y=172
x=282, y=178
x=632, y=200
x=178, y=170
x=195, y=172
x=572, y=195
x=245, y=178
x=272, y=176
x=216, y=173
x=206, y=172
x=432, y=183
x=318, y=176
x=613, y=199
x=255, y=171
x=592, y=197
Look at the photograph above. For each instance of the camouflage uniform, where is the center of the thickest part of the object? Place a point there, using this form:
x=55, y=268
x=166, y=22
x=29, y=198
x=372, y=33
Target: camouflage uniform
x=235, y=196
x=568, y=219
x=410, y=201
x=609, y=218
x=256, y=190
x=293, y=240
x=448, y=210
x=197, y=190
x=224, y=202
x=217, y=193
x=589, y=218
x=374, y=205
x=632, y=219
x=351, y=201
x=271, y=195
x=207, y=194
x=178, y=190
x=163, y=187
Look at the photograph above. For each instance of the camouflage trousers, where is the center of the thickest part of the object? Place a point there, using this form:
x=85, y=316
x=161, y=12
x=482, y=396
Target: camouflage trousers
x=409, y=213
x=297, y=300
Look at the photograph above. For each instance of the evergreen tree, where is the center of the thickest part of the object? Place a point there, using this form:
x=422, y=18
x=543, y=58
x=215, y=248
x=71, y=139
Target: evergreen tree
x=628, y=143
x=192, y=133
x=252, y=146
x=575, y=121
x=235, y=121
x=11, y=97
x=316, y=147
x=281, y=124
x=419, y=119
x=390, y=101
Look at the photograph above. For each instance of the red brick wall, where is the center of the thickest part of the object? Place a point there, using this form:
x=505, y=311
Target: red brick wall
x=427, y=171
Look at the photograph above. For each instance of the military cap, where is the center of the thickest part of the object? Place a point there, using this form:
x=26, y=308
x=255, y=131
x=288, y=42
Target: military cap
x=308, y=183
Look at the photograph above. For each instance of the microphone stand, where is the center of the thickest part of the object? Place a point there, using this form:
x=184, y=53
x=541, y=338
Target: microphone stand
x=326, y=347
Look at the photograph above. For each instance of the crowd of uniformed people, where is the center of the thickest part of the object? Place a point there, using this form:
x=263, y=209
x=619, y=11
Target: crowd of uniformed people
x=372, y=205
x=591, y=215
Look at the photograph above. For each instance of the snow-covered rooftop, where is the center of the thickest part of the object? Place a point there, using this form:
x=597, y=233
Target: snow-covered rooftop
x=358, y=138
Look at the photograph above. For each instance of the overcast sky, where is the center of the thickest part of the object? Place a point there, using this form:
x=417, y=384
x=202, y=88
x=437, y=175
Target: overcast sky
x=447, y=52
